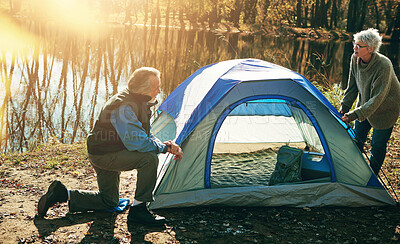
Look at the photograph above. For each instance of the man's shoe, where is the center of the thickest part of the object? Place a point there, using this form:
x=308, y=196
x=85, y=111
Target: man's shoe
x=57, y=192
x=142, y=215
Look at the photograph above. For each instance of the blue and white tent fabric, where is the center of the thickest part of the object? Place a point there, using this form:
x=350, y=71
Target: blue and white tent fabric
x=249, y=106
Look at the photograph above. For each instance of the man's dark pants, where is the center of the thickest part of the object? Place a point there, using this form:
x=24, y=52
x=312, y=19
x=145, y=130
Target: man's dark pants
x=108, y=168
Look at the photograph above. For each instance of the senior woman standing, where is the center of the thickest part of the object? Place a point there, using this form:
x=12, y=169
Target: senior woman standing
x=372, y=79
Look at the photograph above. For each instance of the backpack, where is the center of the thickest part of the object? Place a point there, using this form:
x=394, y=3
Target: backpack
x=288, y=166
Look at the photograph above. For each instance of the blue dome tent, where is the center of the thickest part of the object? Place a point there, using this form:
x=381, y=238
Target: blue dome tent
x=232, y=120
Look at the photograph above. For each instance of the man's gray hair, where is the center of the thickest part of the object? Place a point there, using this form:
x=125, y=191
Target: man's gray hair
x=370, y=37
x=139, y=82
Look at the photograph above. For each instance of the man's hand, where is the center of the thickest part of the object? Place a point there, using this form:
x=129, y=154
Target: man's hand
x=174, y=149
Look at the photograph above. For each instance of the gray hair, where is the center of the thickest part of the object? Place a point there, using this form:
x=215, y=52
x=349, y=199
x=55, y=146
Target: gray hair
x=370, y=37
x=139, y=81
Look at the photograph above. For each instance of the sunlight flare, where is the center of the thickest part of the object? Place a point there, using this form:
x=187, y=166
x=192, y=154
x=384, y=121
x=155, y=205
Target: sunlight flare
x=72, y=15
x=13, y=36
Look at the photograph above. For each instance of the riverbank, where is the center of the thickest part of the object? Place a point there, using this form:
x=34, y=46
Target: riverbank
x=224, y=27
x=286, y=31
x=26, y=176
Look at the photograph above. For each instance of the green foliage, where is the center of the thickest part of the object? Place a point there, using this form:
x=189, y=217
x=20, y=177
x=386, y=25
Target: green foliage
x=320, y=78
x=333, y=94
x=15, y=158
x=51, y=164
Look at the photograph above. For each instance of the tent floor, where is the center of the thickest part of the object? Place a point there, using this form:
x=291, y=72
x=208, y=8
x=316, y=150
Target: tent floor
x=256, y=167
x=242, y=169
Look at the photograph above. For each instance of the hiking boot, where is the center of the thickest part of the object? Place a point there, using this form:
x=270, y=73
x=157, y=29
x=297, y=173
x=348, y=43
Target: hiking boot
x=140, y=214
x=57, y=192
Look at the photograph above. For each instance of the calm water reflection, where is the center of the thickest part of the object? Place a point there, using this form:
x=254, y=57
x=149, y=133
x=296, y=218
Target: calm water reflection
x=56, y=88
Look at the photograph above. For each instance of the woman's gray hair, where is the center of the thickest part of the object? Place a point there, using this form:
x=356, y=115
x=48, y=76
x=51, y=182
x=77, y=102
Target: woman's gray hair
x=370, y=37
x=139, y=81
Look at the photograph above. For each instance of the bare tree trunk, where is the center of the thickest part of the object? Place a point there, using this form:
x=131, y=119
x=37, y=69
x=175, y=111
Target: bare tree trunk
x=393, y=28
x=327, y=6
x=158, y=13
x=378, y=17
x=153, y=14
x=213, y=15
x=396, y=29
x=146, y=11
x=96, y=90
x=111, y=63
x=128, y=11
x=313, y=15
x=306, y=10
x=250, y=11
x=356, y=15
x=298, y=11
x=82, y=89
x=167, y=12
x=364, y=10
x=235, y=13
x=334, y=16
x=7, y=78
x=63, y=82
x=181, y=19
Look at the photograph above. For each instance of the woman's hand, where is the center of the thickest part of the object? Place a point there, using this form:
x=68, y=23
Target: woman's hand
x=343, y=109
x=345, y=119
x=348, y=117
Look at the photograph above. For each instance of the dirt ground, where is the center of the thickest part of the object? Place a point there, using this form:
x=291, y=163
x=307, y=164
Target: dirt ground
x=26, y=176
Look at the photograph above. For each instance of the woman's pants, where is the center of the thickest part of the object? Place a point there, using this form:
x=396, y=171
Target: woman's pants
x=378, y=142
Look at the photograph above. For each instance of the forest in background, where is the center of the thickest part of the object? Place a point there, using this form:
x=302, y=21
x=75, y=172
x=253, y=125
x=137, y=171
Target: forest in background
x=345, y=15
x=56, y=58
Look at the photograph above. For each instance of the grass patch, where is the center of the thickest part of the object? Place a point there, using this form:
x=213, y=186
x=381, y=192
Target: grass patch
x=49, y=156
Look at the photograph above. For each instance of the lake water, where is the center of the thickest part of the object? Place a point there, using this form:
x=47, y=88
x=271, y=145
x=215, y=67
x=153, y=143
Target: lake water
x=55, y=87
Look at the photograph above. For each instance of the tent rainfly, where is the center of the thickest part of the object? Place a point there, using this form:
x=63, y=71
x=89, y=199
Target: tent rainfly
x=232, y=120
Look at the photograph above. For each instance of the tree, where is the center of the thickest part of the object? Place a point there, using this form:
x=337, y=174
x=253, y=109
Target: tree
x=356, y=15
x=213, y=14
x=392, y=14
x=235, y=12
x=250, y=11
x=334, y=15
x=298, y=12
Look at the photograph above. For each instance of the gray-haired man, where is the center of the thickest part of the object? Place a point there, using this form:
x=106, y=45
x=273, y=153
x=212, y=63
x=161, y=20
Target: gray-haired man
x=121, y=141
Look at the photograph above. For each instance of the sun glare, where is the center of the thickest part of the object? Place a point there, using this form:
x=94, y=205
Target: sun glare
x=13, y=37
x=71, y=15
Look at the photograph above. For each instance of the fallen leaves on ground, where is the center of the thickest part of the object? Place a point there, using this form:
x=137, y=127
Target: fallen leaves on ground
x=26, y=176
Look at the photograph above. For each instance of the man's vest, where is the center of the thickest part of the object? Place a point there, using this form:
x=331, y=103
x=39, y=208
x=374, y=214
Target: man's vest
x=104, y=138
